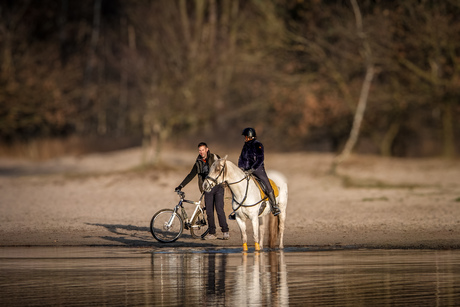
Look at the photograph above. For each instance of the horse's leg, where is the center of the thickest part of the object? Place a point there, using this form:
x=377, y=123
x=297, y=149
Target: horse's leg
x=282, y=215
x=281, y=220
x=261, y=231
x=244, y=237
x=255, y=230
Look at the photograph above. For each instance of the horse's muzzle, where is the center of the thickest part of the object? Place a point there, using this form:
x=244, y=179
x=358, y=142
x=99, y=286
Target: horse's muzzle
x=207, y=185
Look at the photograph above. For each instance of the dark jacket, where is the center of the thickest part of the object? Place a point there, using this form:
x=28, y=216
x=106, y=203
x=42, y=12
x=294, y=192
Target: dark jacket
x=252, y=155
x=200, y=168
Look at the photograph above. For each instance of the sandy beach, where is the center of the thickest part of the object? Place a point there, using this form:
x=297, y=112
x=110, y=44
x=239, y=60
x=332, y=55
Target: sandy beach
x=107, y=200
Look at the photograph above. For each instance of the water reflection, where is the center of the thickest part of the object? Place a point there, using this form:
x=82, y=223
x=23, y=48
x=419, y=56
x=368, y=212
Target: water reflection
x=259, y=284
x=215, y=286
x=227, y=277
x=221, y=279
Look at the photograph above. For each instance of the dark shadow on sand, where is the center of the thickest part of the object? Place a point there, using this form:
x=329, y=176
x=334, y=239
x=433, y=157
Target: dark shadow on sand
x=131, y=235
x=115, y=228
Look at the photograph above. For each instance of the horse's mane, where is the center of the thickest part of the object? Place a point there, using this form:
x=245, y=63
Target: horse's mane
x=234, y=168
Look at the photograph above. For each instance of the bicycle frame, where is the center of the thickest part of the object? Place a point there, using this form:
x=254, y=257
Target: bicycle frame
x=183, y=212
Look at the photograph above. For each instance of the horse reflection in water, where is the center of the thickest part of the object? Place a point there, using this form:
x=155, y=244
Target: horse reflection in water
x=260, y=285
x=220, y=279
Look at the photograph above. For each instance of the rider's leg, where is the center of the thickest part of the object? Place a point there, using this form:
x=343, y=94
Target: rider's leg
x=272, y=198
x=260, y=173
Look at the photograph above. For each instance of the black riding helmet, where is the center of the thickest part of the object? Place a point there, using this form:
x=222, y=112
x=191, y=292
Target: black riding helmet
x=249, y=132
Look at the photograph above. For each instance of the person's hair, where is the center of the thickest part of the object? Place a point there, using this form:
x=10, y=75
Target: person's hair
x=202, y=144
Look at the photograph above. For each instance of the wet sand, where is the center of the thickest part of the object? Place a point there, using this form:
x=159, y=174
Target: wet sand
x=106, y=200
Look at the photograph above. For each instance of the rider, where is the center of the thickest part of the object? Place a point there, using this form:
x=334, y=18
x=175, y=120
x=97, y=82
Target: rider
x=213, y=198
x=251, y=160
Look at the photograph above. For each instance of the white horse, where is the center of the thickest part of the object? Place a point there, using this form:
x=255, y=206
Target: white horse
x=247, y=201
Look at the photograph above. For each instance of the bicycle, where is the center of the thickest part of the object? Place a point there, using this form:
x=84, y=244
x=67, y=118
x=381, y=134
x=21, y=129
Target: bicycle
x=167, y=225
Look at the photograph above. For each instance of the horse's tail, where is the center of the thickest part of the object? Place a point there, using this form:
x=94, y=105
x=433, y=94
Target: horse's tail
x=273, y=230
x=274, y=222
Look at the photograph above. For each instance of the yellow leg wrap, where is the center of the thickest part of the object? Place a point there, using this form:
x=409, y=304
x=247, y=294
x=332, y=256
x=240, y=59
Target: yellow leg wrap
x=245, y=247
x=257, y=246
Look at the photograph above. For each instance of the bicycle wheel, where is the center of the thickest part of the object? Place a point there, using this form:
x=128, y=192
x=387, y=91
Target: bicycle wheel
x=199, y=227
x=160, y=229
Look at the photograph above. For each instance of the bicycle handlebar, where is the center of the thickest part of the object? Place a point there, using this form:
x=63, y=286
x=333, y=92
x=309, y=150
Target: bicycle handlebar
x=181, y=194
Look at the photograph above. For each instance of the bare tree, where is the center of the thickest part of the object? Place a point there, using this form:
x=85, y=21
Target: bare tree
x=359, y=114
x=431, y=29
x=91, y=59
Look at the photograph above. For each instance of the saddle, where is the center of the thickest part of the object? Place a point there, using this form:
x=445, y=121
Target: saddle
x=262, y=188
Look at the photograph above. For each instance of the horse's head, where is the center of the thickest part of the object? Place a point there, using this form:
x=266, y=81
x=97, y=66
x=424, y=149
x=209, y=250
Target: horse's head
x=216, y=174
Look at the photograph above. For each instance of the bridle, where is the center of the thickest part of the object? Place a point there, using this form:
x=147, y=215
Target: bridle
x=218, y=175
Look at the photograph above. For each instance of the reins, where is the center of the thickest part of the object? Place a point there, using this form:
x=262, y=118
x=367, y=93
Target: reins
x=247, y=177
x=240, y=204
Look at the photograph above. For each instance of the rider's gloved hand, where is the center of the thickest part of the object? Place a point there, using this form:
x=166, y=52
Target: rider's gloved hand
x=178, y=189
x=249, y=171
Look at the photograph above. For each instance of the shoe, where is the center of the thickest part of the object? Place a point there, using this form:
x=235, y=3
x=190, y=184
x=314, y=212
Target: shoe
x=232, y=216
x=210, y=237
x=226, y=236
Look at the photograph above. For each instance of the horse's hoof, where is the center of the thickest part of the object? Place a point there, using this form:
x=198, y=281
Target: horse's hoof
x=245, y=247
x=257, y=246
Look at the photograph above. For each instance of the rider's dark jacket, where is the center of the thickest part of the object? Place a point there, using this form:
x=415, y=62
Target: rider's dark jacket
x=252, y=158
x=252, y=155
x=200, y=168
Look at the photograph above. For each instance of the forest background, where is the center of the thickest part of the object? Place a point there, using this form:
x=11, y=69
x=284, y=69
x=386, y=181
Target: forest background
x=90, y=75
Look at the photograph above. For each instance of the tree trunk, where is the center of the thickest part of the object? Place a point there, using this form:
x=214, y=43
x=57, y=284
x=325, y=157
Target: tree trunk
x=92, y=57
x=448, y=131
x=388, y=139
x=359, y=114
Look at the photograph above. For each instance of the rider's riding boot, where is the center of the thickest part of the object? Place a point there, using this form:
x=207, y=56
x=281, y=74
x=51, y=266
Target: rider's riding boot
x=275, y=209
x=232, y=216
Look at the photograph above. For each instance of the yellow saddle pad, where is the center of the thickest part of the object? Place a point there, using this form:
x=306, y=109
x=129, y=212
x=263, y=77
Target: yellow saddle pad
x=274, y=187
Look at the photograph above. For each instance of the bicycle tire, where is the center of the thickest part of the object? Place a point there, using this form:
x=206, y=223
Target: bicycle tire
x=199, y=226
x=158, y=226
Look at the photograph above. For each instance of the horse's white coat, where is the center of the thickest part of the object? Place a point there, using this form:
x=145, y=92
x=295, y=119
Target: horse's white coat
x=225, y=171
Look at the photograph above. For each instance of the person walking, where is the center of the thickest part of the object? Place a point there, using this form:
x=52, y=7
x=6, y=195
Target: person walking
x=213, y=199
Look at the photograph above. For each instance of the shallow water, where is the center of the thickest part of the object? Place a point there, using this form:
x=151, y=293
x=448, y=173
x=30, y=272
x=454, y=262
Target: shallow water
x=227, y=277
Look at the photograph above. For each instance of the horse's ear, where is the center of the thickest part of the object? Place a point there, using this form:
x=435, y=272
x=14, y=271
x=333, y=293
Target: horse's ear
x=225, y=158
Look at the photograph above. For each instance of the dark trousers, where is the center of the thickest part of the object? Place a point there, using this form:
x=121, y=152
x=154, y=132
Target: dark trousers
x=215, y=199
x=262, y=175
